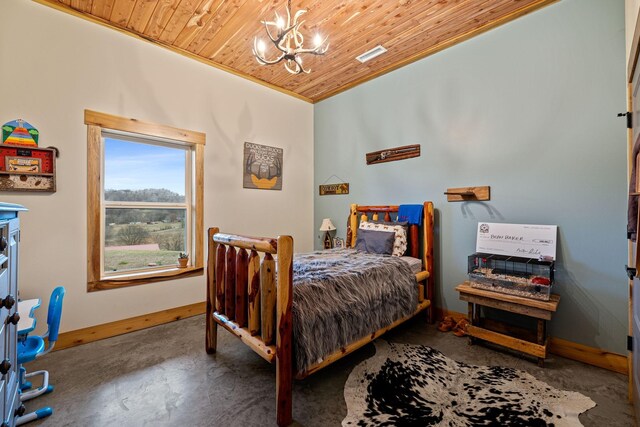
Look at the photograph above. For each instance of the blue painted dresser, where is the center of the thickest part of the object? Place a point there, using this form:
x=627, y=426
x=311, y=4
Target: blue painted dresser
x=10, y=406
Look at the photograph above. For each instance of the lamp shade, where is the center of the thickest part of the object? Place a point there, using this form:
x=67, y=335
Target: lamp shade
x=327, y=225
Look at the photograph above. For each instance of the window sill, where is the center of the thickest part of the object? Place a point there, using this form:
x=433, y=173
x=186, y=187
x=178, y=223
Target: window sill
x=121, y=281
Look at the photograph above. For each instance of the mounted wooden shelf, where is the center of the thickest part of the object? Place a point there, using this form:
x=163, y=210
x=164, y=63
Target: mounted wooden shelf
x=34, y=168
x=26, y=173
x=468, y=194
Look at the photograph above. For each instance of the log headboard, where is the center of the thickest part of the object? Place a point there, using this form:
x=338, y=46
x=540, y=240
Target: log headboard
x=420, y=245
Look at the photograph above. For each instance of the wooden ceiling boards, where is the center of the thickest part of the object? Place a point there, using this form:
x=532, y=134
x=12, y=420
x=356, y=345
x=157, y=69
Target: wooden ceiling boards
x=221, y=33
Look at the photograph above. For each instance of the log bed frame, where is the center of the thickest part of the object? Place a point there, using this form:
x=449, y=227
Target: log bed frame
x=245, y=297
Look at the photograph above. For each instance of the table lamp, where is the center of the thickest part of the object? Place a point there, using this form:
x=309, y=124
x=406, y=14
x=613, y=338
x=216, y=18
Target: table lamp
x=327, y=226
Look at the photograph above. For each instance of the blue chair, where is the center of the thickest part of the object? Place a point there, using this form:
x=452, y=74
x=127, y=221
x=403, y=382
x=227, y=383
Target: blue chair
x=33, y=347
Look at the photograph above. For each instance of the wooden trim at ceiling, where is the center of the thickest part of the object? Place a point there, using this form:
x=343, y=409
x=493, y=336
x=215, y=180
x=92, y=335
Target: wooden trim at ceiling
x=84, y=15
x=108, y=121
x=120, y=327
x=590, y=355
x=441, y=46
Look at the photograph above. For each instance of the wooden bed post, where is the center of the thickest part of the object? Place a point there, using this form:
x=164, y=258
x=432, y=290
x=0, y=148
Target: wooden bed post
x=242, y=280
x=352, y=227
x=254, y=292
x=211, y=331
x=230, y=284
x=268, y=298
x=284, y=337
x=428, y=257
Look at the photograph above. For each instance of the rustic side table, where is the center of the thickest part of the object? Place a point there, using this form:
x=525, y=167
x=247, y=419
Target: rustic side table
x=534, y=343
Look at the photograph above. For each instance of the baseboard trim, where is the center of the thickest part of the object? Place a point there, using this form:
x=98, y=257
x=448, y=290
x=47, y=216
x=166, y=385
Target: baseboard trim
x=590, y=355
x=120, y=327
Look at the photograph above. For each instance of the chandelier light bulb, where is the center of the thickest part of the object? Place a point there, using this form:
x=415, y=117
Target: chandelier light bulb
x=284, y=33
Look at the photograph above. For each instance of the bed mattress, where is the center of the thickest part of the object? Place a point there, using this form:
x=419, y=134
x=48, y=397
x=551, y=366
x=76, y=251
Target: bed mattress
x=415, y=264
x=342, y=295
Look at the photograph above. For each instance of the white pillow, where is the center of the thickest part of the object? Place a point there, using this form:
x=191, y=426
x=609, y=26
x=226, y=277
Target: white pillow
x=400, y=243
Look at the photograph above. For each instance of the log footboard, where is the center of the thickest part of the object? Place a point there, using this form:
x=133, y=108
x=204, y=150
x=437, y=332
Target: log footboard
x=248, y=299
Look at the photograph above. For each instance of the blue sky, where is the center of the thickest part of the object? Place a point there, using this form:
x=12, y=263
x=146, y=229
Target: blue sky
x=136, y=166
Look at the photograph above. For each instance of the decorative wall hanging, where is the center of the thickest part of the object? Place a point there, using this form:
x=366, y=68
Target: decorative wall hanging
x=393, y=154
x=19, y=132
x=262, y=167
x=330, y=189
x=32, y=169
x=23, y=165
x=288, y=41
x=326, y=189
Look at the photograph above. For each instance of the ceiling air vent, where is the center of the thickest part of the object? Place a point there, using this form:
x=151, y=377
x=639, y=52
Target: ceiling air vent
x=369, y=55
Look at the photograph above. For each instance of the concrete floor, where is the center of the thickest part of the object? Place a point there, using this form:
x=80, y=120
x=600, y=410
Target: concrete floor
x=162, y=376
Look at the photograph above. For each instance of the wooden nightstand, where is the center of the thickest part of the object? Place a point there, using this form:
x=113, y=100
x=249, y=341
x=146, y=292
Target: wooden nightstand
x=534, y=343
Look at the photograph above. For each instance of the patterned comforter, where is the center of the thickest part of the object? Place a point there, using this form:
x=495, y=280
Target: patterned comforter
x=342, y=295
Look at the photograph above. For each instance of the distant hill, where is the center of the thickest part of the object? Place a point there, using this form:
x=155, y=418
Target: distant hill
x=146, y=195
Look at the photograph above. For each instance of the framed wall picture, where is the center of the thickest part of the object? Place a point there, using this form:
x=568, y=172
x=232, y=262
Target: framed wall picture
x=262, y=167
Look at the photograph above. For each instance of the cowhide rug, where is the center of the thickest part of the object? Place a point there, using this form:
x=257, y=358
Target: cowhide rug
x=412, y=385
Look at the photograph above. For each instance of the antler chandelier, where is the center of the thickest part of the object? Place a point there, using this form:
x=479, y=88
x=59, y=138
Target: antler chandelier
x=289, y=42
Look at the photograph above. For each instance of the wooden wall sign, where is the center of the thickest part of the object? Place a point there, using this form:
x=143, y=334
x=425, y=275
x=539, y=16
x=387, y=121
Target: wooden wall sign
x=393, y=154
x=330, y=189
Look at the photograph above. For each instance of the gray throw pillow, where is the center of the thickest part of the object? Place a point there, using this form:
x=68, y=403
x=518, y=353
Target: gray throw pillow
x=375, y=242
x=404, y=224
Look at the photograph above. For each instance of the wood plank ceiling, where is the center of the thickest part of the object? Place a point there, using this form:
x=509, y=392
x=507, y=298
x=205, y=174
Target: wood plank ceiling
x=221, y=32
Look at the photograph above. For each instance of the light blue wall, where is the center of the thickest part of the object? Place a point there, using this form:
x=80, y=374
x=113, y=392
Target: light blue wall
x=528, y=108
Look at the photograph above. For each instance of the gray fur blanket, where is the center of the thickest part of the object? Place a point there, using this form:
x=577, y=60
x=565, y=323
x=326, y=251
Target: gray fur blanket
x=342, y=295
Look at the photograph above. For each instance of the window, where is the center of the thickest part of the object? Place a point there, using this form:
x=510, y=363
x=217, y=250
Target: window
x=144, y=201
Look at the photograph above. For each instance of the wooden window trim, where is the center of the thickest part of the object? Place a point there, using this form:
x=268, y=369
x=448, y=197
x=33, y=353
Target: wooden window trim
x=96, y=122
x=123, y=124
